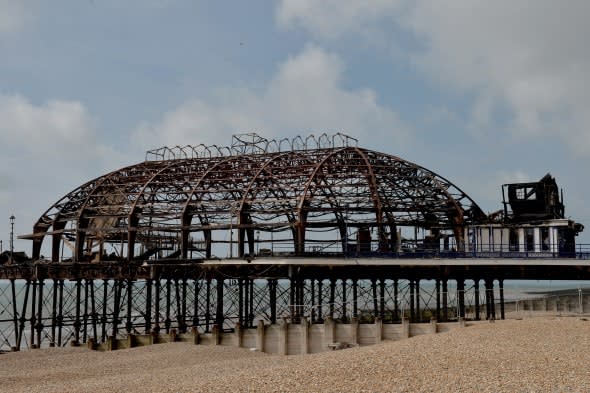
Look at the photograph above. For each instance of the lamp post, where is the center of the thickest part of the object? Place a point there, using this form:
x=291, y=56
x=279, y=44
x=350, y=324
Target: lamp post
x=11, y=237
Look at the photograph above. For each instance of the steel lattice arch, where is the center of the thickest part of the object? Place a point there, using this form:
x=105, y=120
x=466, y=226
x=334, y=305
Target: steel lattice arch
x=314, y=195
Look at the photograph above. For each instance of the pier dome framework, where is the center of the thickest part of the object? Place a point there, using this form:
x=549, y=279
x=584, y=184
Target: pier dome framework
x=299, y=196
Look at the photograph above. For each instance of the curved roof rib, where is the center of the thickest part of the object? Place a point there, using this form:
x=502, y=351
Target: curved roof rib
x=319, y=189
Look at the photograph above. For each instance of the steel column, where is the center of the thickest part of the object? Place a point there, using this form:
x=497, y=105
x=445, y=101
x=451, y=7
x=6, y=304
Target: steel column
x=33, y=318
x=156, y=328
x=461, y=297
x=396, y=315
x=54, y=312
x=412, y=302
x=14, y=311
x=382, y=299
x=355, y=312
x=39, y=324
x=219, y=317
x=332, y=296
x=477, y=310
x=501, y=284
x=418, y=312
x=445, y=292
x=437, y=284
x=168, y=321
x=105, y=289
x=129, y=323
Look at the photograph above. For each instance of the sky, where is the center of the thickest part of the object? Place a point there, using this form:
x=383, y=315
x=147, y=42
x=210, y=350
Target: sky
x=483, y=93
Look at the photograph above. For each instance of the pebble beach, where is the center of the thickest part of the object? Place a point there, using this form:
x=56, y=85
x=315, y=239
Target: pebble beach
x=548, y=354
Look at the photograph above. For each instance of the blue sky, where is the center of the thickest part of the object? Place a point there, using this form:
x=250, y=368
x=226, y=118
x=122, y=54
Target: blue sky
x=481, y=92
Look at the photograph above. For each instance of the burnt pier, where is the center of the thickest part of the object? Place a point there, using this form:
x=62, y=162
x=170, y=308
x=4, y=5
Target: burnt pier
x=209, y=238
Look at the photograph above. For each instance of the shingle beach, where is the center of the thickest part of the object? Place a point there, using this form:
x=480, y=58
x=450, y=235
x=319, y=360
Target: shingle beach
x=549, y=354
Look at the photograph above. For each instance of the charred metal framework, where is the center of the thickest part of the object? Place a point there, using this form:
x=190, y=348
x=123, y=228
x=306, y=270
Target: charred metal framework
x=533, y=200
x=322, y=194
x=320, y=227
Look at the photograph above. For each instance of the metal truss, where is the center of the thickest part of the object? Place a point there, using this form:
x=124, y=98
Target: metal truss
x=63, y=312
x=314, y=195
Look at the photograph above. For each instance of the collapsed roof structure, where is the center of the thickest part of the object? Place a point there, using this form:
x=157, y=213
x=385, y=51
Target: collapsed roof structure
x=302, y=195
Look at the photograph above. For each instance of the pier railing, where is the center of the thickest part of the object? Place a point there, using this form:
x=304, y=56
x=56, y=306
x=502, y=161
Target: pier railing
x=581, y=251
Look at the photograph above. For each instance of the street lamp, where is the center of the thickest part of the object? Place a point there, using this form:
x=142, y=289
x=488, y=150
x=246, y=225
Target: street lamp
x=11, y=237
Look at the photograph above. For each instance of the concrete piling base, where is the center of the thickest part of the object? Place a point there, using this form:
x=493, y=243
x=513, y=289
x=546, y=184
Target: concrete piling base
x=289, y=338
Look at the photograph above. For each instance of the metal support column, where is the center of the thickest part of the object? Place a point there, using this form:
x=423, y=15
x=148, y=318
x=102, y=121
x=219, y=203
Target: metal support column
x=461, y=297
x=148, y=306
x=445, y=292
x=492, y=299
x=77, y=321
x=219, y=317
x=437, y=284
x=272, y=288
x=382, y=298
x=477, y=308
x=196, y=305
x=23, y=318
x=39, y=324
x=251, y=309
x=292, y=298
x=355, y=312
x=300, y=298
x=396, y=315
x=117, y=284
x=184, y=324
x=94, y=313
x=53, y=312
x=208, y=305
x=312, y=296
x=103, y=320
x=488, y=299
x=14, y=310
x=344, y=303
x=85, y=314
x=60, y=315
x=156, y=328
x=168, y=321
x=417, y=299
x=241, y=302
x=32, y=320
x=246, y=300
x=179, y=316
x=320, y=301
x=332, y=296
x=375, y=303
x=412, y=302
x=129, y=323
x=501, y=284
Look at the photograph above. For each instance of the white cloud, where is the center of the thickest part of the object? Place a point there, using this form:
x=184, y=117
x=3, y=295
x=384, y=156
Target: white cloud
x=525, y=61
x=50, y=128
x=529, y=56
x=61, y=135
x=304, y=97
x=48, y=149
